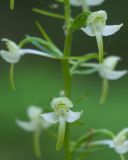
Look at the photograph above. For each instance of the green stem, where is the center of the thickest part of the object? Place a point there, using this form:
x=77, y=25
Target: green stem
x=89, y=135
x=122, y=157
x=105, y=88
x=11, y=4
x=12, y=76
x=65, y=66
x=36, y=142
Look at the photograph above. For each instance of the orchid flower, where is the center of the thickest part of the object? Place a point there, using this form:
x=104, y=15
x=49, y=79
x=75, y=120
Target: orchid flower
x=14, y=52
x=13, y=55
x=119, y=143
x=35, y=123
x=106, y=71
x=96, y=27
x=86, y=3
x=61, y=115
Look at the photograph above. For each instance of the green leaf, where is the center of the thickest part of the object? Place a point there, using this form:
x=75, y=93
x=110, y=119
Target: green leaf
x=61, y=1
x=43, y=33
x=46, y=13
x=11, y=4
x=80, y=21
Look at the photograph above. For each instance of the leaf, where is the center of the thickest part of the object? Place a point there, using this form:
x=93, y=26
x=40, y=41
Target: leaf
x=61, y=1
x=50, y=14
x=11, y=4
x=43, y=33
x=80, y=21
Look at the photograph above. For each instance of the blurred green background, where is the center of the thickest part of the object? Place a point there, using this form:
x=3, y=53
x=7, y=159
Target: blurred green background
x=39, y=79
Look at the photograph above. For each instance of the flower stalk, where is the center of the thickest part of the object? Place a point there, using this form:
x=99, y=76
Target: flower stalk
x=65, y=66
x=12, y=77
x=36, y=143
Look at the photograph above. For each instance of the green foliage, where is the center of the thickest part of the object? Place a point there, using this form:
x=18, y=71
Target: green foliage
x=80, y=21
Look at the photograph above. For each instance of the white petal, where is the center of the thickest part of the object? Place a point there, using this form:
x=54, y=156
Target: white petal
x=10, y=57
x=11, y=46
x=34, y=112
x=89, y=31
x=76, y=2
x=121, y=134
x=121, y=148
x=27, y=126
x=94, y=2
x=112, y=75
x=50, y=117
x=73, y=116
x=111, y=29
x=111, y=61
x=44, y=123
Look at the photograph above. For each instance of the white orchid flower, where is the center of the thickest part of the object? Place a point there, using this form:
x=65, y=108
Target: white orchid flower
x=107, y=69
x=35, y=123
x=119, y=143
x=13, y=55
x=14, y=52
x=61, y=115
x=85, y=3
x=96, y=27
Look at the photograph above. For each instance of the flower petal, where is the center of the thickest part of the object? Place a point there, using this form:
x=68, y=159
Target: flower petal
x=89, y=31
x=77, y=3
x=73, y=116
x=27, y=126
x=50, y=117
x=34, y=112
x=112, y=75
x=94, y=2
x=10, y=57
x=111, y=61
x=121, y=134
x=121, y=148
x=11, y=46
x=111, y=29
